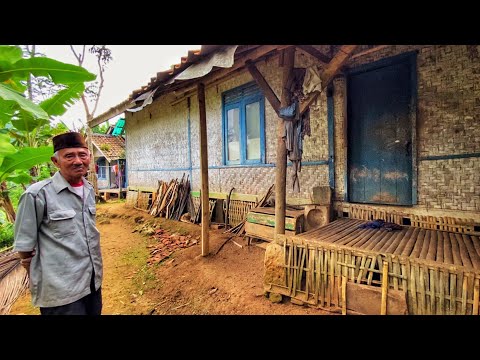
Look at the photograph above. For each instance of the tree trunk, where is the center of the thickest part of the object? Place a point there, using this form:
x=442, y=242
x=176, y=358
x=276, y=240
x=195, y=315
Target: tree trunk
x=6, y=204
x=92, y=175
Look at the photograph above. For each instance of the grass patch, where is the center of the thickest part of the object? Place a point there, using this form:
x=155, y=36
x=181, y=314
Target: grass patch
x=144, y=277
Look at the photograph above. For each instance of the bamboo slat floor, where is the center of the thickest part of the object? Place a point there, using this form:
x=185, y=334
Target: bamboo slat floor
x=436, y=245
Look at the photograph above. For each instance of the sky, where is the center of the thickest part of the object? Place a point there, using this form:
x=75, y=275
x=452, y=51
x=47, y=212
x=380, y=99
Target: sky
x=131, y=68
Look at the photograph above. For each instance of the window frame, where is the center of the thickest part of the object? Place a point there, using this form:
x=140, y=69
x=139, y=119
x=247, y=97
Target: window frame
x=104, y=168
x=241, y=104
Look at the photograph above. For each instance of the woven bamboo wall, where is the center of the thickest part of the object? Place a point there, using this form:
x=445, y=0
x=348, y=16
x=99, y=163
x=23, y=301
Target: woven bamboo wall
x=312, y=273
x=448, y=124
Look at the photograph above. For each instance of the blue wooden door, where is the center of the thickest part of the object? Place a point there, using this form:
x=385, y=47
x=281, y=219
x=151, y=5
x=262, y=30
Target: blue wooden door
x=380, y=133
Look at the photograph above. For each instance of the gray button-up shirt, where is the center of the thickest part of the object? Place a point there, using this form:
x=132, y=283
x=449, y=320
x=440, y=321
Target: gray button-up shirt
x=60, y=226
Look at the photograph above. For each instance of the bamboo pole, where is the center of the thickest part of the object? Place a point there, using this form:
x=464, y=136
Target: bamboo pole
x=383, y=309
x=204, y=168
x=475, y=297
x=344, y=295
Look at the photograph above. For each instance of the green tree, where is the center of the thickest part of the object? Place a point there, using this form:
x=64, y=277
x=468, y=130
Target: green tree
x=94, y=90
x=25, y=125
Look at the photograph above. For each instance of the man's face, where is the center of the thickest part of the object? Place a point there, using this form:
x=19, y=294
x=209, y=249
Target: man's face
x=73, y=163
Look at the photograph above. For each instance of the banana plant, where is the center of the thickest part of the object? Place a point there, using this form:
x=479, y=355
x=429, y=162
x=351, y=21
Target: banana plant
x=22, y=121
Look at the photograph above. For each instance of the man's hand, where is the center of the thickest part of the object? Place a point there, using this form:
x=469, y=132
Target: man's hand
x=25, y=259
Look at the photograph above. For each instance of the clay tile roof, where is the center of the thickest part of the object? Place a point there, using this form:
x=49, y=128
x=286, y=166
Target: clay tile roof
x=116, y=146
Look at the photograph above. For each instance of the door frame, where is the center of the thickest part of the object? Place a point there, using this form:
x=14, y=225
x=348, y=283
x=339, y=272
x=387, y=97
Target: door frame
x=411, y=59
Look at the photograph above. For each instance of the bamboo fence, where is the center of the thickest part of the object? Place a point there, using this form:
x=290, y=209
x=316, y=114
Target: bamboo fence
x=438, y=271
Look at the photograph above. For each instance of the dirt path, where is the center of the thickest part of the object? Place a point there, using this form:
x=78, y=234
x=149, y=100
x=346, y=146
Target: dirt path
x=229, y=282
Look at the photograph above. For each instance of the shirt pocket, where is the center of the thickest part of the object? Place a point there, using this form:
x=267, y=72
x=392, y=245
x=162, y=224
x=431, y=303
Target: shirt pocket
x=93, y=211
x=63, y=222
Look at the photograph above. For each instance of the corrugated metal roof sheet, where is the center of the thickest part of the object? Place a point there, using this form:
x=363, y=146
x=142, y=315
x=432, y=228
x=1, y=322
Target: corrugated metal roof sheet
x=192, y=57
x=162, y=77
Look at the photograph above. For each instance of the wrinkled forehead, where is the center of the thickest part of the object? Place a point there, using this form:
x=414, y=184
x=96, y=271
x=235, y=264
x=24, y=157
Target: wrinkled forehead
x=73, y=151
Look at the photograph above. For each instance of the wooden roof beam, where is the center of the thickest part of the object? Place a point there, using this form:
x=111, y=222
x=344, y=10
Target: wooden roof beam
x=330, y=70
x=315, y=53
x=263, y=84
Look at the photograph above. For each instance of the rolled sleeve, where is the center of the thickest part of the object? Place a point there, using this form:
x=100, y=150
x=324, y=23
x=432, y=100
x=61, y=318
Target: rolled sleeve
x=29, y=215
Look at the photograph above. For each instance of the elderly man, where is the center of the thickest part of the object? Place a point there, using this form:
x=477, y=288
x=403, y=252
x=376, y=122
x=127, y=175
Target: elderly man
x=56, y=236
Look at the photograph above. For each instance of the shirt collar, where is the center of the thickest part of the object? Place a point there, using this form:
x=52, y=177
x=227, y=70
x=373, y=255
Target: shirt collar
x=59, y=182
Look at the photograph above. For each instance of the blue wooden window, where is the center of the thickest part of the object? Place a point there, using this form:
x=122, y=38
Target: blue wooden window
x=244, y=125
x=102, y=173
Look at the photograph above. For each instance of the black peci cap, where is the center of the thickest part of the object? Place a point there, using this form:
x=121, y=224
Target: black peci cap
x=68, y=140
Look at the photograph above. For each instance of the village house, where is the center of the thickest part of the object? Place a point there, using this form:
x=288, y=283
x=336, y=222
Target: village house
x=373, y=132
x=110, y=169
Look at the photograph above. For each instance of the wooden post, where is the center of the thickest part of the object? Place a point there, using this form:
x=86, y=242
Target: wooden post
x=204, y=168
x=281, y=162
x=475, y=297
x=92, y=177
x=383, y=309
x=344, y=295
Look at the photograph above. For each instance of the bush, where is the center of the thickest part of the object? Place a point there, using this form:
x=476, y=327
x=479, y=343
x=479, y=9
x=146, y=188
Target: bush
x=6, y=235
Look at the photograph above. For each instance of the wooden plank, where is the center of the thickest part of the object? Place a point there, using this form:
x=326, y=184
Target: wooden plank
x=432, y=248
x=408, y=249
x=439, y=246
x=413, y=288
x=325, y=265
x=372, y=241
x=433, y=296
x=457, y=260
x=269, y=220
x=301, y=270
x=453, y=293
x=367, y=299
x=318, y=275
x=463, y=251
x=464, y=296
x=352, y=229
x=417, y=249
x=244, y=197
x=383, y=307
x=351, y=241
x=475, y=259
x=396, y=239
x=476, y=244
x=476, y=292
x=447, y=249
x=271, y=211
x=379, y=243
x=263, y=232
x=295, y=271
x=441, y=292
x=405, y=240
x=372, y=267
x=396, y=270
x=328, y=230
x=426, y=244
x=420, y=273
x=344, y=295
